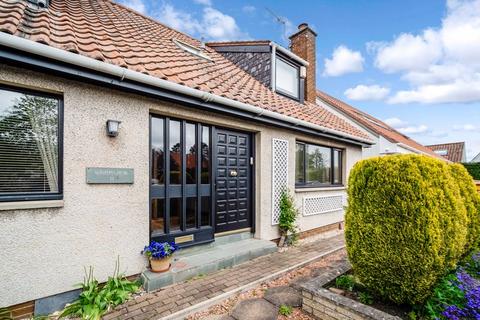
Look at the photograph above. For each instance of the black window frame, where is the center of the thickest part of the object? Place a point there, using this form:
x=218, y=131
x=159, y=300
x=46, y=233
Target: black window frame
x=279, y=90
x=39, y=196
x=317, y=184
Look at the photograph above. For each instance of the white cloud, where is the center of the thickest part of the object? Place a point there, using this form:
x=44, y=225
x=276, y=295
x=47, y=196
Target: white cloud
x=466, y=127
x=414, y=129
x=367, y=93
x=395, y=122
x=249, y=9
x=409, y=52
x=343, y=61
x=212, y=25
x=203, y=2
x=137, y=5
x=442, y=65
x=407, y=128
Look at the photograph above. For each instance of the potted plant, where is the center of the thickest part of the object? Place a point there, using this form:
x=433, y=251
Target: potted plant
x=160, y=255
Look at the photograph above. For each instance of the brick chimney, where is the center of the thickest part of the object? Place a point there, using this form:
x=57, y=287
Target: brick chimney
x=302, y=43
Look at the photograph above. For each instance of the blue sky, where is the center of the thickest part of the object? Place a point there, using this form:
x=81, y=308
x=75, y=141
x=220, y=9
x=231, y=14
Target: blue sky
x=414, y=64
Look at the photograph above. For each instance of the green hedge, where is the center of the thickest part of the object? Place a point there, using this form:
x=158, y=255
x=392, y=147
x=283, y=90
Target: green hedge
x=471, y=201
x=473, y=169
x=405, y=225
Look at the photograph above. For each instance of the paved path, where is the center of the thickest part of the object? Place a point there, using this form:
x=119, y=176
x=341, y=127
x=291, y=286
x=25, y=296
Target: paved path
x=203, y=291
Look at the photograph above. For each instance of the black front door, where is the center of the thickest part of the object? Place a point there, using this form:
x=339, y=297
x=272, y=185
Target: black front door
x=233, y=187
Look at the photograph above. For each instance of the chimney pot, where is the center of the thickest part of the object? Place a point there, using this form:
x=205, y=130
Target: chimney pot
x=302, y=26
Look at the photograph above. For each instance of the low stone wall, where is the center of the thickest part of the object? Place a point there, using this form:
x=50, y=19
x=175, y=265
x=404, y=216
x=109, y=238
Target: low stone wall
x=323, y=304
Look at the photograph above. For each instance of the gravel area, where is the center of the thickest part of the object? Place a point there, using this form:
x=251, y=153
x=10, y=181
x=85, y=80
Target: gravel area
x=286, y=279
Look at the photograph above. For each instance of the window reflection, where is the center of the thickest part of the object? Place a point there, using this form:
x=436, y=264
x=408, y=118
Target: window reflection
x=158, y=215
x=175, y=214
x=191, y=153
x=205, y=155
x=175, y=153
x=158, y=151
x=191, y=212
x=205, y=213
x=318, y=164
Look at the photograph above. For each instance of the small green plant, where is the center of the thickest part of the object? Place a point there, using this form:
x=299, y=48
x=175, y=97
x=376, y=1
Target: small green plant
x=365, y=297
x=345, y=282
x=288, y=218
x=95, y=300
x=412, y=315
x=5, y=314
x=445, y=293
x=285, y=310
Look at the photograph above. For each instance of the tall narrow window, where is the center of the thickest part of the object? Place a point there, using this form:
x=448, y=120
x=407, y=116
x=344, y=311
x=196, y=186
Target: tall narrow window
x=29, y=146
x=158, y=151
x=205, y=155
x=337, y=166
x=175, y=153
x=191, y=153
x=300, y=163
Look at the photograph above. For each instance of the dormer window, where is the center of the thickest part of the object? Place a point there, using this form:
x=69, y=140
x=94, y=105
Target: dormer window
x=287, y=78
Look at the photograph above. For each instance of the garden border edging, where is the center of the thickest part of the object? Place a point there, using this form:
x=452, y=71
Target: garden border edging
x=321, y=303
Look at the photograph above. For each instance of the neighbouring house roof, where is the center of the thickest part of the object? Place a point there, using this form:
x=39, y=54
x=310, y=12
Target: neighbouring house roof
x=476, y=158
x=373, y=124
x=112, y=33
x=454, y=151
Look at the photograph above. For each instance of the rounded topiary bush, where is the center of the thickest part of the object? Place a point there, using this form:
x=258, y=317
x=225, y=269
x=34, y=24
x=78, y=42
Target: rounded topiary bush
x=405, y=225
x=471, y=201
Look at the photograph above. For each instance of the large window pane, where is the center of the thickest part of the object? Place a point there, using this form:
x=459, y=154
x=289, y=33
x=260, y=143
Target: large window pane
x=191, y=153
x=158, y=216
x=286, y=78
x=175, y=214
x=205, y=155
x=29, y=157
x=318, y=164
x=337, y=166
x=175, y=153
x=158, y=151
x=191, y=212
x=300, y=163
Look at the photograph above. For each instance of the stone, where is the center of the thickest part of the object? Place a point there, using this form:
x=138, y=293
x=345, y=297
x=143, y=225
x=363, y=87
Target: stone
x=218, y=317
x=255, y=309
x=284, y=296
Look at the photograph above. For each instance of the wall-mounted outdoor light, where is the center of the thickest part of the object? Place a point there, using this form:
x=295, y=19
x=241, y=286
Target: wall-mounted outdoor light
x=112, y=127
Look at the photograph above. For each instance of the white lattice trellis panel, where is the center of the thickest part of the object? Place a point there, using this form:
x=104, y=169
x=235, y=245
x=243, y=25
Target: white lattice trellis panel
x=279, y=175
x=324, y=204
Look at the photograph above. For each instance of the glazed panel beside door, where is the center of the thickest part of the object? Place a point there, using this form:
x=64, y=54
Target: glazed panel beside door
x=233, y=180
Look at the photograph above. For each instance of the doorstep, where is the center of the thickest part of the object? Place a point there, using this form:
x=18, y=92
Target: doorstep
x=227, y=251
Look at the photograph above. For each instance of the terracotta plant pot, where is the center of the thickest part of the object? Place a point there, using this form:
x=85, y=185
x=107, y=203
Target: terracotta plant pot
x=160, y=265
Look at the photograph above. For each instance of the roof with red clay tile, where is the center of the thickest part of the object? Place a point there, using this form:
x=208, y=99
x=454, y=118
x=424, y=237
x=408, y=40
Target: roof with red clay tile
x=454, y=151
x=373, y=124
x=112, y=33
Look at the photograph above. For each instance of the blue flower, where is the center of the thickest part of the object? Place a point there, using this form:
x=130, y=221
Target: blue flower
x=159, y=250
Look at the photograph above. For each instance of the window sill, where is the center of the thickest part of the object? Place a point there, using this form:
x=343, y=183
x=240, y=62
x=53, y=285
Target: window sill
x=313, y=189
x=26, y=205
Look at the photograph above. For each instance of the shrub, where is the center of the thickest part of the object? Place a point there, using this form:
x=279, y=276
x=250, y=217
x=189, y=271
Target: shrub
x=473, y=169
x=471, y=201
x=345, y=282
x=405, y=225
x=288, y=218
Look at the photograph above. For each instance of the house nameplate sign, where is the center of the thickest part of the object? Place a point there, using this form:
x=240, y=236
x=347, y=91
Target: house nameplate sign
x=109, y=175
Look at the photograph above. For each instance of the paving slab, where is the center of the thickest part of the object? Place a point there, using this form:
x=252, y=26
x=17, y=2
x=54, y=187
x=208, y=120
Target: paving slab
x=284, y=295
x=255, y=309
